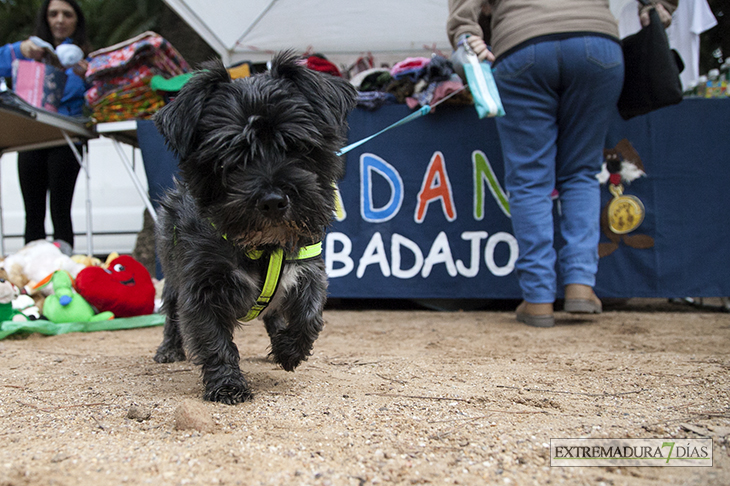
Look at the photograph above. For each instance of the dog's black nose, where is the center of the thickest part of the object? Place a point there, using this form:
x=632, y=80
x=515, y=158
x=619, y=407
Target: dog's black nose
x=273, y=205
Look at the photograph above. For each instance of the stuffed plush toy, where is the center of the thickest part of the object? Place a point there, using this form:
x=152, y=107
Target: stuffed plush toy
x=8, y=293
x=37, y=260
x=125, y=287
x=65, y=305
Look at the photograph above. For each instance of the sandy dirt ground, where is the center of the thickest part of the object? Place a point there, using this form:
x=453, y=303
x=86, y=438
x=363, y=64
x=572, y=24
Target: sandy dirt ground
x=397, y=395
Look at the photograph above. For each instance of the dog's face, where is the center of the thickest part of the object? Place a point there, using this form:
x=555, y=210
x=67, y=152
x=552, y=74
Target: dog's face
x=258, y=153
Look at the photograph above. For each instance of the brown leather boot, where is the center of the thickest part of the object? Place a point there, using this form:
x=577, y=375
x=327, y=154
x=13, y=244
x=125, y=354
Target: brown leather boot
x=580, y=299
x=536, y=315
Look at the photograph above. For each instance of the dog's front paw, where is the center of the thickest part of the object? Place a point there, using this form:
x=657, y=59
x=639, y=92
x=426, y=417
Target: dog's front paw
x=169, y=354
x=287, y=352
x=228, y=393
x=289, y=363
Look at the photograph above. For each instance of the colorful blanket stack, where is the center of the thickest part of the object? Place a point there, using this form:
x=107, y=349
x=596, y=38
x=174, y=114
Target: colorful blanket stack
x=120, y=77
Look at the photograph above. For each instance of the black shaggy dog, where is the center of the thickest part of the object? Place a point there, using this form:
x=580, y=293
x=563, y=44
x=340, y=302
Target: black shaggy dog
x=241, y=228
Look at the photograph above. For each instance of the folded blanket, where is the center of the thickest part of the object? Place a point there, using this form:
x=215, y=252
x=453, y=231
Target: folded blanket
x=120, y=77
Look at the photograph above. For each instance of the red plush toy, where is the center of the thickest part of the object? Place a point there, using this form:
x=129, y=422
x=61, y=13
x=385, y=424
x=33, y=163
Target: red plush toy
x=124, y=288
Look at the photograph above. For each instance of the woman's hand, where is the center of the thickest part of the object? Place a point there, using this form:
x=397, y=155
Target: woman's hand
x=479, y=47
x=664, y=15
x=81, y=67
x=31, y=51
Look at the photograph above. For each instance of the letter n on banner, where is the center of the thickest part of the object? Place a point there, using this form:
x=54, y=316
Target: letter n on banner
x=483, y=172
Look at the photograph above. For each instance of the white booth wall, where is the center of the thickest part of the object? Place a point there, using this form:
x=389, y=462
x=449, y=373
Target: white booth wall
x=117, y=209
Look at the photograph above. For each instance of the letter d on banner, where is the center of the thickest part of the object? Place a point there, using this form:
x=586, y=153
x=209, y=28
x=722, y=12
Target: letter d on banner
x=369, y=165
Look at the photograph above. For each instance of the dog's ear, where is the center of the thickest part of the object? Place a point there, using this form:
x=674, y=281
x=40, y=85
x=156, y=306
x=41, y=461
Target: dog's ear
x=331, y=96
x=177, y=121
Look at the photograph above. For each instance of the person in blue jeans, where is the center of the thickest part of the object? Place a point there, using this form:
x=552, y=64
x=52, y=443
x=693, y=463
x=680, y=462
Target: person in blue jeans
x=559, y=69
x=52, y=170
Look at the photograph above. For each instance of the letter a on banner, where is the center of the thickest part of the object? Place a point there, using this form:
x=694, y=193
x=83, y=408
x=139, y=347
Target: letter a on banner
x=436, y=185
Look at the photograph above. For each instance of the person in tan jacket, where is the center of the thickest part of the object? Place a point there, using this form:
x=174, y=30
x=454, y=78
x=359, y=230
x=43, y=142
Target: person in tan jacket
x=559, y=69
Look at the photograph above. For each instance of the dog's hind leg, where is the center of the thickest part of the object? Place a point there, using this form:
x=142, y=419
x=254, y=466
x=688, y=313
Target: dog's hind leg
x=171, y=348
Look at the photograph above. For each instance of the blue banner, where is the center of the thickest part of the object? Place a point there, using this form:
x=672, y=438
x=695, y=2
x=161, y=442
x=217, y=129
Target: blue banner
x=424, y=214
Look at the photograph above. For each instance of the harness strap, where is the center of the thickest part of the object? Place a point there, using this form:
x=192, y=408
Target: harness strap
x=273, y=275
x=310, y=251
x=271, y=282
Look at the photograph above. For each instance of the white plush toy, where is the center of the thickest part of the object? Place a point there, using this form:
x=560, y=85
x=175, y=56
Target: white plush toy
x=35, y=261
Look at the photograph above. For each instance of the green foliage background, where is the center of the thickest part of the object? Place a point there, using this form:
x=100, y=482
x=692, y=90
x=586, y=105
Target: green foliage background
x=108, y=21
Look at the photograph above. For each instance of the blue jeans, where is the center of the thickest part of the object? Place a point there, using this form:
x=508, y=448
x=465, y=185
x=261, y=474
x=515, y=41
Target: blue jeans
x=559, y=96
x=160, y=166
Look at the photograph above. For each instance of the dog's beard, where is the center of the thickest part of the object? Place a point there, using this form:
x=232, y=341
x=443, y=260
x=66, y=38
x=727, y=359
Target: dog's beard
x=250, y=229
x=288, y=235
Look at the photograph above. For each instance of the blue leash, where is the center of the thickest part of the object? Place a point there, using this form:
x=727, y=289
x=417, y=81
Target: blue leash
x=424, y=110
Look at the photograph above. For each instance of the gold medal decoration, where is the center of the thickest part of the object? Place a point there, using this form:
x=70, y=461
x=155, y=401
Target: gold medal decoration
x=625, y=213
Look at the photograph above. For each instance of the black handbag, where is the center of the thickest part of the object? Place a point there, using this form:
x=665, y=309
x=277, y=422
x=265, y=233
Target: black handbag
x=651, y=70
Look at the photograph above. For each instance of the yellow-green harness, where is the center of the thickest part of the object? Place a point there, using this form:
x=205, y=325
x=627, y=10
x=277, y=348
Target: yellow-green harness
x=273, y=271
x=273, y=274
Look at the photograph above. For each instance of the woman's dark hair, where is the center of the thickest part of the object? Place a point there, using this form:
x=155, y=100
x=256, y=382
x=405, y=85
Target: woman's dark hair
x=43, y=30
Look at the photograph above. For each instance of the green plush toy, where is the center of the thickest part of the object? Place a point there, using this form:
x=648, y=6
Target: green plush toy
x=66, y=305
x=8, y=293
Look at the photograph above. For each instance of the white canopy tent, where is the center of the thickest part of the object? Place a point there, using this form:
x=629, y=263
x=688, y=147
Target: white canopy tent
x=342, y=30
